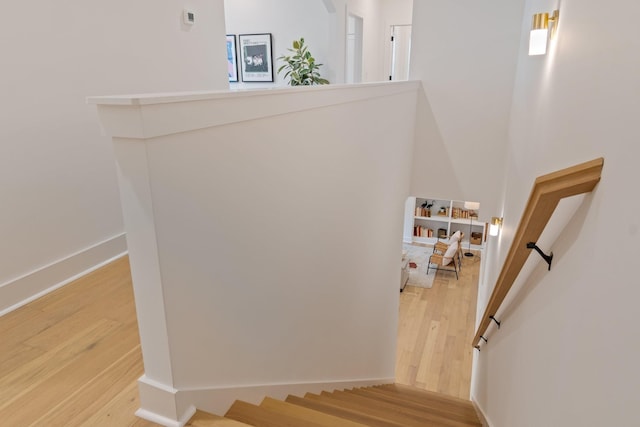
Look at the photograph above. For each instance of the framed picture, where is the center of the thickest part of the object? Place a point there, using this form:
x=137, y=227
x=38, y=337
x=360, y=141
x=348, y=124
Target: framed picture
x=255, y=54
x=232, y=58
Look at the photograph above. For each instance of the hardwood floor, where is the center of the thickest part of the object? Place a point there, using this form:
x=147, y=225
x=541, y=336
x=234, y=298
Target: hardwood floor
x=435, y=331
x=72, y=357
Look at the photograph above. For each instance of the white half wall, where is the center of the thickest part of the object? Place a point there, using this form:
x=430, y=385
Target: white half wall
x=465, y=54
x=265, y=232
x=566, y=354
x=59, y=195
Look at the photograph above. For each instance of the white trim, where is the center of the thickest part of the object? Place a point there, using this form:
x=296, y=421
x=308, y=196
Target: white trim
x=172, y=407
x=135, y=117
x=158, y=401
x=31, y=286
x=218, y=400
x=164, y=421
x=483, y=417
x=141, y=99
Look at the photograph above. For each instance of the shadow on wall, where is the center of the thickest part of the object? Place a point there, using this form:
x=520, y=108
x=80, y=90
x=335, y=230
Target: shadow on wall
x=432, y=170
x=564, y=231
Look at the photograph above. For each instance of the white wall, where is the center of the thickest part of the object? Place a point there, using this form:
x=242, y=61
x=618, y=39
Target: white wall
x=378, y=16
x=59, y=194
x=465, y=53
x=566, y=354
x=286, y=20
x=266, y=226
x=372, y=37
x=372, y=43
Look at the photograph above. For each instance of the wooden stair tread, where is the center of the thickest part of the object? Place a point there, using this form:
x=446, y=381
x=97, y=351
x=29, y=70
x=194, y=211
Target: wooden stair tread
x=300, y=412
x=425, y=394
x=338, y=411
x=261, y=417
x=390, y=405
x=350, y=402
x=395, y=412
x=408, y=405
x=439, y=403
x=205, y=419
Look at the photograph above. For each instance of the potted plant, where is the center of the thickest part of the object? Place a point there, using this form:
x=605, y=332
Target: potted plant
x=300, y=67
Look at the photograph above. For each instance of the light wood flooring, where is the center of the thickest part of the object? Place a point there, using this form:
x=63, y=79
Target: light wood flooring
x=72, y=357
x=435, y=331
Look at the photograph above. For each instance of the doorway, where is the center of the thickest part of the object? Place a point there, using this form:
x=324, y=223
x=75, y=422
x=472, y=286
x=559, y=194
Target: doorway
x=400, y=52
x=353, y=66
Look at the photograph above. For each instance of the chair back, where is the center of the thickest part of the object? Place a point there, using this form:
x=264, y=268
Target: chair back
x=450, y=253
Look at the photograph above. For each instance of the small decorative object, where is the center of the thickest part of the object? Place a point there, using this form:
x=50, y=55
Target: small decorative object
x=255, y=52
x=301, y=67
x=426, y=207
x=442, y=211
x=232, y=58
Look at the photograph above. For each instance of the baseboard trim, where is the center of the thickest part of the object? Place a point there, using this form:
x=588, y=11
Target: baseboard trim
x=31, y=286
x=483, y=417
x=171, y=407
x=218, y=400
x=164, y=421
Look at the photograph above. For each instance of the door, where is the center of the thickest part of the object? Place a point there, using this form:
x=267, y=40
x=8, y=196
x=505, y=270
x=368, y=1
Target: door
x=400, y=52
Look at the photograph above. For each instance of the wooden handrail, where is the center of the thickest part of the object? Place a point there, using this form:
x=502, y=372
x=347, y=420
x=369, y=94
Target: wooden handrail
x=547, y=192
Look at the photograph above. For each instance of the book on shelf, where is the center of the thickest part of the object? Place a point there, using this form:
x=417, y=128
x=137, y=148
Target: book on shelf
x=424, y=212
x=420, y=231
x=460, y=213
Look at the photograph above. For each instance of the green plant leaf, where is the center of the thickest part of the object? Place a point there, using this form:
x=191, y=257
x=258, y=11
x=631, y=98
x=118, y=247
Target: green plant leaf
x=300, y=67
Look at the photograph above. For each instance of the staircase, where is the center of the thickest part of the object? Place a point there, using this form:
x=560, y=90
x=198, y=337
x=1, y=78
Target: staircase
x=390, y=405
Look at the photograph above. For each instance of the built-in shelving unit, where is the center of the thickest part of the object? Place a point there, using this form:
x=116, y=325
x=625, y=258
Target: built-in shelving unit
x=437, y=219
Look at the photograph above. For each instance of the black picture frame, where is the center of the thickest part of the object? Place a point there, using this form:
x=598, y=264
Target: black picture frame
x=256, y=56
x=232, y=58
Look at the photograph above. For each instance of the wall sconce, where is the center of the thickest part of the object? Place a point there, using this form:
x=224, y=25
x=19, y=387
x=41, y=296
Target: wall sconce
x=540, y=32
x=494, y=226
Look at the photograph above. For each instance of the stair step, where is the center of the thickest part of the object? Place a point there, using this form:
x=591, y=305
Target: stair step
x=262, y=417
x=395, y=412
x=391, y=405
x=205, y=419
x=453, y=412
x=350, y=402
x=429, y=398
x=338, y=411
x=302, y=413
